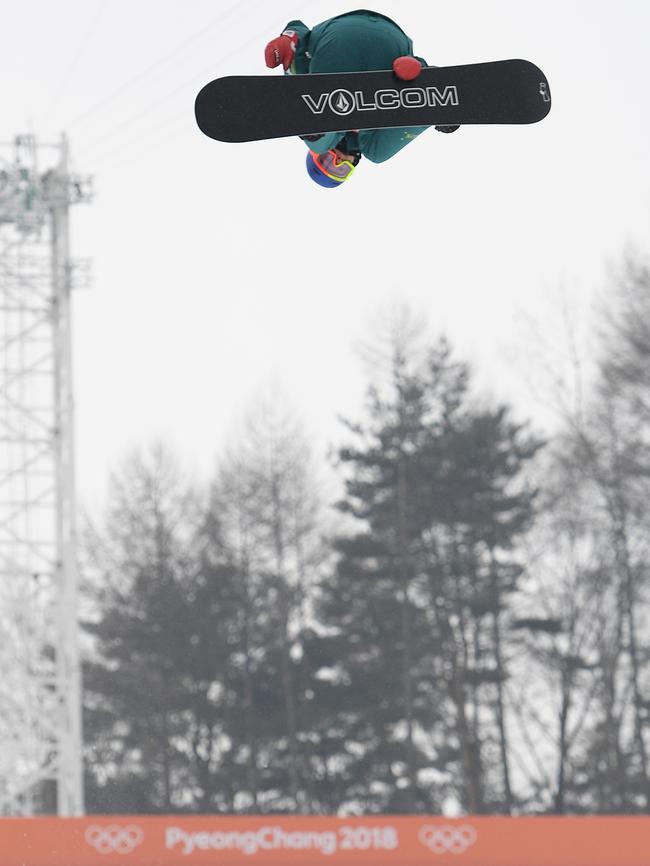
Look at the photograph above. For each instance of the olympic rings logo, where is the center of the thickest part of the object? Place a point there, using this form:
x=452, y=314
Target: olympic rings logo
x=448, y=838
x=114, y=839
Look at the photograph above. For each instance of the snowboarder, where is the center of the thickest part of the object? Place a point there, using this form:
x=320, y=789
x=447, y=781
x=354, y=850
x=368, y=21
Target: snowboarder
x=360, y=41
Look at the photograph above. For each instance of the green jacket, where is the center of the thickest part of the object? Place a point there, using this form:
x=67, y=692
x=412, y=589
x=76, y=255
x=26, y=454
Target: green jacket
x=361, y=41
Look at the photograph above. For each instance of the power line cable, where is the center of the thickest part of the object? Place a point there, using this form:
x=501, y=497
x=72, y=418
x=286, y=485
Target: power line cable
x=126, y=123
x=182, y=46
x=83, y=45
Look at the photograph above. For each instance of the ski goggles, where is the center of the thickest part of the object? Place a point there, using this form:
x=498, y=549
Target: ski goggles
x=331, y=164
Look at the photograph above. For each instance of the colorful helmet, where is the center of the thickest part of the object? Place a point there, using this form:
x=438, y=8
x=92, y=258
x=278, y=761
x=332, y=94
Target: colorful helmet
x=328, y=169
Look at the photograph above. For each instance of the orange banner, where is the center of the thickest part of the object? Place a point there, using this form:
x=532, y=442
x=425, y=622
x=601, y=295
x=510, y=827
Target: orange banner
x=278, y=841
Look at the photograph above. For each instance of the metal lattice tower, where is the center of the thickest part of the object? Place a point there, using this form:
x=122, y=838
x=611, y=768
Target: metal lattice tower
x=40, y=692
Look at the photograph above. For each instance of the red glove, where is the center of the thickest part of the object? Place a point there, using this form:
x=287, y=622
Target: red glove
x=281, y=50
x=407, y=68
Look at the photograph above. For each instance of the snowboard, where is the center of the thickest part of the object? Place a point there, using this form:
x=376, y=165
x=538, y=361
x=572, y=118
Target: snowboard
x=253, y=107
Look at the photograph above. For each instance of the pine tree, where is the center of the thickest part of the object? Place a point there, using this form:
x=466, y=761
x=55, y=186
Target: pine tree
x=418, y=598
x=480, y=504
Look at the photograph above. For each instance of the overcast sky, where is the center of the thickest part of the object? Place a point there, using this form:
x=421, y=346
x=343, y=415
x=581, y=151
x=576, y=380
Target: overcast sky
x=217, y=267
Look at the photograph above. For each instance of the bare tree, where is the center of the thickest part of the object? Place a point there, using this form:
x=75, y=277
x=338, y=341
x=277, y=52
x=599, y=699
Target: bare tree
x=136, y=686
x=266, y=496
x=601, y=664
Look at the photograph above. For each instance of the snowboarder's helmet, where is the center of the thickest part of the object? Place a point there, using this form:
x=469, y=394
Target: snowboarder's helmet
x=328, y=169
